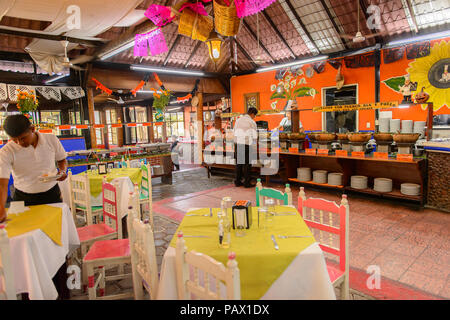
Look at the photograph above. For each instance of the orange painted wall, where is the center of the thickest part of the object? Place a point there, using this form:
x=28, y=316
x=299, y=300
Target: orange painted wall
x=364, y=77
x=261, y=82
x=397, y=69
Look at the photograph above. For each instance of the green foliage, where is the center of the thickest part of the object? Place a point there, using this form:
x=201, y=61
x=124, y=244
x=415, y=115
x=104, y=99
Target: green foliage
x=161, y=102
x=277, y=95
x=302, y=92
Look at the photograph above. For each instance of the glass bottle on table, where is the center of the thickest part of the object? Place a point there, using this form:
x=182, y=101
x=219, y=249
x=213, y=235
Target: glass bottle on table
x=224, y=232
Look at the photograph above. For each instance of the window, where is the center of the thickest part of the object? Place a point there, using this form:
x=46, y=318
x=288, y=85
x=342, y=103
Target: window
x=98, y=131
x=345, y=121
x=174, y=124
x=111, y=117
x=3, y=115
x=75, y=118
x=53, y=117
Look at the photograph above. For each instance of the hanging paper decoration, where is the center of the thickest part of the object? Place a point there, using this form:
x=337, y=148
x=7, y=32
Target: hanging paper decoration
x=102, y=87
x=13, y=90
x=154, y=39
x=139, y=87
x=159, y=15
x=360, y=61
x=3, y=92
x=158, y=80
x=418, y=50
x=187, y=97
x=73, y=92
x=335, y=63
x=197, y=7
x=319, y=67
x=393, y=54
x=246, y=8
x=49, y=93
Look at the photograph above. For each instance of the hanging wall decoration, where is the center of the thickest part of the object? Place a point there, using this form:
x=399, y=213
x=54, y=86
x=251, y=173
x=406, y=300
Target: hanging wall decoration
x=246, y=8
x=319, y=67
x=159, y=15
x=3, y=92
x=418, y=50
x=393, y=54
x=49, y=93
x=154, y=40
x=360, y=61
x=191, y=94
x=120, y=94
x=335, y=63
x=73, y=92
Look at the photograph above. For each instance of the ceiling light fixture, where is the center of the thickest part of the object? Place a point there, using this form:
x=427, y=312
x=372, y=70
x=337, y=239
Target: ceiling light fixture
x=292, y=64
x=149, y=91
x=430, y=36
x=166, y=70
x=56, y=78
x=114, y=52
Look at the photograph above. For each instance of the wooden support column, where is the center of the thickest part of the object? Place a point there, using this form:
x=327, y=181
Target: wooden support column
x=200, y=142
x=90, y=99
x=151, y=133
x=430, y=121
x=295, y=117
x=105, y=129
x=119, y=113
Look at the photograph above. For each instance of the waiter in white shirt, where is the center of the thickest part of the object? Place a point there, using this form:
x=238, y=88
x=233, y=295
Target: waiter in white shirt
x=286, y=124
x=28, y=156
x=245, y=135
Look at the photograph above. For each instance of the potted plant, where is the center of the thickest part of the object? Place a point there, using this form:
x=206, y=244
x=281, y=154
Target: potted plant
x=160, y=102
x=26, y=102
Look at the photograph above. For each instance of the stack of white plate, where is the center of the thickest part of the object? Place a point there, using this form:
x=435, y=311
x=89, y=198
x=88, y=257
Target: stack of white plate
x=335, y=178
x=304, y=174
x=394, y=125
x=419, y=127
x=382, y=185
x=219, y=159
x=410, y=189
x=384, y=124
x=407, y=126
x=358, y=182
x=320, y=176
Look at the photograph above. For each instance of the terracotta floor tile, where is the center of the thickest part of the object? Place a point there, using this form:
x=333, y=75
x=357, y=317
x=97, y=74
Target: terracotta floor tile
x=426, y=227
x=356, y=235
x=430, y=268
x=365, y=249
x=445, y=292
x=418, y=280
x=440, y=242
x=361, y=227
x=361, y=261
x=378, y=241
x=402, y=246
x=201, y=201
x=392, y=264
x=415, y=238
x=439, y=256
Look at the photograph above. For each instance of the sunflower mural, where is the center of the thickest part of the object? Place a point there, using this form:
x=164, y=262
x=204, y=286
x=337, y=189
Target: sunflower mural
x=291, y=84
x=430, y=73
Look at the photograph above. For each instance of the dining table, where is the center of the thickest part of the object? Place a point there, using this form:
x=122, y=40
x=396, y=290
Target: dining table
x=40, y=239
x=124, y=178
x=295, y=270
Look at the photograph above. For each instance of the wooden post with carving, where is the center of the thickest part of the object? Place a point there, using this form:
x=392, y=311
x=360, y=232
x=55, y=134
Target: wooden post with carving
x=90, y=99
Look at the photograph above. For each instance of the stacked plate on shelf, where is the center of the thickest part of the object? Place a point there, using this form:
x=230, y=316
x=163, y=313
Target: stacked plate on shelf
x=410, y=189
x=304, y=174
x=394, y=125
x=335, y=178
x=384, y=124
x=358, y=182
x=382, y=185
x=407, y=126
x=320, y=176
x=419, y=127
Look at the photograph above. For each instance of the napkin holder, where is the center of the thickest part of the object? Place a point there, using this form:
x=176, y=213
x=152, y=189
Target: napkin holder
x=102, y=168
x=242, y=214
x=17, y=207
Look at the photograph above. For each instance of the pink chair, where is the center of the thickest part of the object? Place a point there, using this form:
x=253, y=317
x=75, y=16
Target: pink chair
x=335, y=241
x=110, y=228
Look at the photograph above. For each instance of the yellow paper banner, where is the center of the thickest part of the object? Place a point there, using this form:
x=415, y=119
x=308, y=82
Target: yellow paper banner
x=361, y=106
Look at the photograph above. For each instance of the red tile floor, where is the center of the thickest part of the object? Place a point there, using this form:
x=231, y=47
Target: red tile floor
x=411, y=247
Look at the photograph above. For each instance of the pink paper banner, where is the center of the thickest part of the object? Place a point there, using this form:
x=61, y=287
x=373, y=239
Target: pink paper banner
x=154, y=39
x=159, y=15
x=196, y=7
x=246, y=8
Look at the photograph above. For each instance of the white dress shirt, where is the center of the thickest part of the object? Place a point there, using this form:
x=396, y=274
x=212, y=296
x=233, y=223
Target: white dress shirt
x=245, y=130
x=287, y=122
x=27, y=165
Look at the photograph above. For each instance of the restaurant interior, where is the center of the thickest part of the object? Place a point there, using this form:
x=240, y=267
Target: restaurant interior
x=346, y=107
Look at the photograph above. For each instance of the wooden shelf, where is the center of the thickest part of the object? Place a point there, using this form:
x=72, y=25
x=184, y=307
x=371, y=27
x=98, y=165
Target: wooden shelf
x=316, y=184
x=395, y=193
x=369, y=158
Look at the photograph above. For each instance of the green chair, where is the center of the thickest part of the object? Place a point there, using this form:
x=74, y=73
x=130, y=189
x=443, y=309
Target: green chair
x=284, y=198
x=145, y=194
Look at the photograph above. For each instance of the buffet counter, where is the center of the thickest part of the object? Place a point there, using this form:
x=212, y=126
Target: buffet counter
x=399, y=171
x=438, y=166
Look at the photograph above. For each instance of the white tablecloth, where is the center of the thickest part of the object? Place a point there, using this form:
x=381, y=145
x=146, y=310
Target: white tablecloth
x=306, y=278
x=36, y=258
x=125, y=186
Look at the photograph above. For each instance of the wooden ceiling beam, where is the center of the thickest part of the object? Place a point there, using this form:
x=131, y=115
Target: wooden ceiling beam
x=245, y=53
x=363, y=7
x=299, y=20
x=250, y=31
x=30, y=34
x=275, y=29
x=336, y=28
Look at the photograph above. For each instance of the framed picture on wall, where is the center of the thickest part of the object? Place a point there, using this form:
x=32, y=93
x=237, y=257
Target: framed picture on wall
x=251, y=100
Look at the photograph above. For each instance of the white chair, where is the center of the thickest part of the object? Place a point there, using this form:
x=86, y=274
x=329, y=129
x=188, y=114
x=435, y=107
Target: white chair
x=188, y=288
x=322, y=211
x=7, y=286
x=143, y=256
x=80, y=199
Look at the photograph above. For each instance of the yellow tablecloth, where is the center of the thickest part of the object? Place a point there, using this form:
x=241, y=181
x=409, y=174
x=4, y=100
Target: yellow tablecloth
x=44, y=217
x=259, y=263
x=95, y=179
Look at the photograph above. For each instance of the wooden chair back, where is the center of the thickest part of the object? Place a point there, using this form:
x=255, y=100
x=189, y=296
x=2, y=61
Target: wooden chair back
x=210, y=268
x=7, y=286
x=281, y=198
x=146, y=190
x=111, y=216
x=330, y=220
x=143, y=255
x=80, y=195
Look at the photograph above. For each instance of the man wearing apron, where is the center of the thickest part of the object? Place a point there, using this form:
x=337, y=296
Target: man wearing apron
x=28, y=156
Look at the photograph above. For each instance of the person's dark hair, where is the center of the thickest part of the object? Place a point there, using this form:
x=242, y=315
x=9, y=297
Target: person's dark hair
x=252, y=110
x=16, y=124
